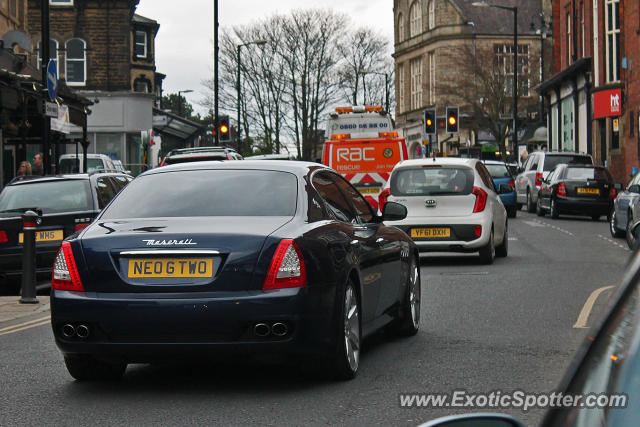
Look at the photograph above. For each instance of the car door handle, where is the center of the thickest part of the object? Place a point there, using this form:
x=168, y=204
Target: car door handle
x=380, y=241
x=355, y=243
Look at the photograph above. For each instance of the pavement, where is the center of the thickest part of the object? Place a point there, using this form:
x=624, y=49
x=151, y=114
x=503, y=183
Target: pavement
x=11, y=309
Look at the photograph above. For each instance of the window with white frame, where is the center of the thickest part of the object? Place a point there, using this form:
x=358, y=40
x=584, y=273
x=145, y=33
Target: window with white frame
x=61, y=2
x=504, y=58
x=140, y=48
x=401, y=28
x=53, y=52
x=432, y=14
x=432, y=78
x=415, y=19
x=416, y=83
x=76, y=62
x=568, y=38
x=613, y=40
x=401, y=86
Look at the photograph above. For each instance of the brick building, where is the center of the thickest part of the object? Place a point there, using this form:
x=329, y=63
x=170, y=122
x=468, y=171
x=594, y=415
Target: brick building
x=596, y=47
x=106, y=52
x=427, y=35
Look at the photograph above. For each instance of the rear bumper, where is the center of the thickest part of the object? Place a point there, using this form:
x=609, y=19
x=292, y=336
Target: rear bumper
x=508, y=199
x=584, y=206
x=462, y=236
x=11, y=261
x=145, y=328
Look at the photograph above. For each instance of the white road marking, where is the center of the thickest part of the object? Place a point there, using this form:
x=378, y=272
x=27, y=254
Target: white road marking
x=537, y=223
x=534, y=224
x=512, y=239
x=581, y=323
x=25, y=325
x=613, y=242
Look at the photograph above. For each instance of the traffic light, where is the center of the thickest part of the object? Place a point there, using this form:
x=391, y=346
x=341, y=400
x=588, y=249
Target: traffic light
x=223, y=128
x=452, y=119
x=430, y=121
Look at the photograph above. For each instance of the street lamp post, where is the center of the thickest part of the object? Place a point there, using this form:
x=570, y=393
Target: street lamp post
x=239, y=90
x=514, y=10
x=180, y=92
x=386, y=87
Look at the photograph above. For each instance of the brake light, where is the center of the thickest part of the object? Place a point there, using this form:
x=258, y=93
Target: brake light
x=80, y=227
x=382, y=198
x=339, y=136
x=481, y=199
x=3, y=236
x=477, y=230
x=65, y=272
x=562, y=190
x=613, y=193
x=287, y=268
x=512, y=183
x=538, y=179
x=228, y=156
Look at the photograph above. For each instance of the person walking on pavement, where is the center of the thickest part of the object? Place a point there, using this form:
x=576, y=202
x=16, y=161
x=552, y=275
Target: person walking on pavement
x=24, y=169
x=37, y=164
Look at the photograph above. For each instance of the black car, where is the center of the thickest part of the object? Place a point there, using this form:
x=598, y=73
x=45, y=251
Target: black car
x=577, y=190
x=65, y=204
x=199, y=154
x=278, y=257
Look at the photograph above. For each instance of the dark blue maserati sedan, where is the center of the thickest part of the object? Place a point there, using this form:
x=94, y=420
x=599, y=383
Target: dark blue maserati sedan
x=220, y=258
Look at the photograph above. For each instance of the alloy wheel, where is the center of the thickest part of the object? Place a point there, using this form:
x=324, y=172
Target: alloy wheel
x=352, y=329
x=414, y=295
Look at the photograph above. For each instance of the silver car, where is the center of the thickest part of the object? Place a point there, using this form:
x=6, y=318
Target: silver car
x=624, y=207
x=452, y=204
x=536, y=168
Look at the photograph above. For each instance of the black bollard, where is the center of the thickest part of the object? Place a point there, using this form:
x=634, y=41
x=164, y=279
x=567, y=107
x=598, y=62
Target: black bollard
x=28, y=292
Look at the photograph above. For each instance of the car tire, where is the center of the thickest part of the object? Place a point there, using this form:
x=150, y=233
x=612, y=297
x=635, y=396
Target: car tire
x=343, y=365
x=408, y=321
x=530, y=206
x=613, y=229
x=539, y=210
x=87, y=368
x=554, y=209
x=512, y=211
x=488, y=251
x=518, y=206
x=503, y=250
x=631, y=239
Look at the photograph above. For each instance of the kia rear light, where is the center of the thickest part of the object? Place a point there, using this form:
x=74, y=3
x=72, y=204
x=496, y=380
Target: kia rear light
x=3, y=236
x=65, y=272
x=538, y=179
x=613, y=193
x=562, y=190
x=477, y=230
x=80, y=227
x=383, y=197
x=512, y=183
x=481, y=199
x=287, y=268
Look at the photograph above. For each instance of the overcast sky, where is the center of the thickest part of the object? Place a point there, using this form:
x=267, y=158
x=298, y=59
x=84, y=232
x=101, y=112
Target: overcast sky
x=184, y=47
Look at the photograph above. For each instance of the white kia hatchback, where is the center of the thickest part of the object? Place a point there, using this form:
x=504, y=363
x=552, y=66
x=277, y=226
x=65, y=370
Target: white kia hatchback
x=452, y=204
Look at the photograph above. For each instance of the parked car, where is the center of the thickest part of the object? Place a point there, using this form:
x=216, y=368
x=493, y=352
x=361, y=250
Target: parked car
x=65, y=204
x=605, y=368
x=536, y=168
x=70, y=163
x=576, y=190
x=120, y=167
x=277, y=257
x=199, y=154
x=622, y=212
x=452, y=204
x=501, y=174
x=285, y=156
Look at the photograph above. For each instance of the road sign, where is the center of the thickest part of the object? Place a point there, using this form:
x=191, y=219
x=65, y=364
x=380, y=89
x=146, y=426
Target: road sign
x=51, y=109
x=52, y=79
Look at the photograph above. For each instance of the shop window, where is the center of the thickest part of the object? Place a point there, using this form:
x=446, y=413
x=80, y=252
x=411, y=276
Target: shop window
x=615, y=134
x=76, y=64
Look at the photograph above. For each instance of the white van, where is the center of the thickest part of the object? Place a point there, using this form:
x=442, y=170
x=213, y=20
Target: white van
x=69, y=163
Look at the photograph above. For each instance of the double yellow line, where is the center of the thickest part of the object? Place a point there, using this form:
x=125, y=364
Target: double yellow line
x=25, y=325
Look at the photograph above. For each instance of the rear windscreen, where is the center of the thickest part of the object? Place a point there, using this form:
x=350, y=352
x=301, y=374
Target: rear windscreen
x=498, y=171
x=207, y=193
x=551, y=161
x=432, y=181
x=50, y=197
x=72, y=165
x=587, y=173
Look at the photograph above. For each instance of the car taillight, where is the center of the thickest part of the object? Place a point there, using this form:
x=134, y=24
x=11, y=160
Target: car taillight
x=287, y=268
x=80, y=227
x=382, y=198
x=562, y=190
x=65, y=272
x=481, y=199
x=538, y=179
x=512, y=183
x=162, y=162
x=477, y=230
x=613, y=193
x=3, y=236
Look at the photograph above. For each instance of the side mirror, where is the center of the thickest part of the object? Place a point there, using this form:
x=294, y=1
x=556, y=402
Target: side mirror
x=394, y=212
x=635, y=188
x=474, y=420
x=617, y=186
x=505, y=189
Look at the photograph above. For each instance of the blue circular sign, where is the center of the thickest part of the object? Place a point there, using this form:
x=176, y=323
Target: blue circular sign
x=52, y=79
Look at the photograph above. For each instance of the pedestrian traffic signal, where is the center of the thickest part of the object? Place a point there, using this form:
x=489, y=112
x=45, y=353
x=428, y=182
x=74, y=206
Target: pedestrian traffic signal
x=223, y=128
x=452, y=119
x=430, y=121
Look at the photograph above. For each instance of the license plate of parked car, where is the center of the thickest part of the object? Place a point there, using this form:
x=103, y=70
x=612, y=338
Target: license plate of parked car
x=45, y=236
x=430, y=233
x=588, y=190
x=170, y=267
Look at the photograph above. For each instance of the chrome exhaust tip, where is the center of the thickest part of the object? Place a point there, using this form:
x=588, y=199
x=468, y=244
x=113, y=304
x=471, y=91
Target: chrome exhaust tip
x=261, y=329
x=68, y=330
x=279, y=329
x=82, y=331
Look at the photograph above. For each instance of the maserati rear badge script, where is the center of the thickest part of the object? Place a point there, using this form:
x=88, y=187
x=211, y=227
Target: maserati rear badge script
x=169, y=242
